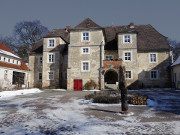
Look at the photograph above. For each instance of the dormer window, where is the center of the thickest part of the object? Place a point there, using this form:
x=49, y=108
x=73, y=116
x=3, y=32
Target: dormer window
x=51, y=43
x=85, y=36
x=127, y=39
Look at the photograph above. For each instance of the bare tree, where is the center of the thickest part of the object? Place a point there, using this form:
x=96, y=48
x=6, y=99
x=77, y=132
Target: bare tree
x=176, y=48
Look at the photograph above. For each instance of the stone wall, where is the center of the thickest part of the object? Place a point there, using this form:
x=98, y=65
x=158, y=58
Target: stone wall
x=35, y=68
x=162, y=66
x=132, y=48
x=75, y=58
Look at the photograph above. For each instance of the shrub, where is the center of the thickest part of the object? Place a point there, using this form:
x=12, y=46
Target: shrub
x=106, y=99
x=90, y=96
x=90, y=85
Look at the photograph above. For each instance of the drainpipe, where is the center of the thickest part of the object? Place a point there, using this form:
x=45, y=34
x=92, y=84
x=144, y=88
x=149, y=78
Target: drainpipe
x=100, y=66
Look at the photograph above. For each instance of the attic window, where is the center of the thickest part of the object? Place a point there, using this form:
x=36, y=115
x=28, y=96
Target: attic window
x=51, y=43
x=88, y=23
x=127, y=39
x=85, y=36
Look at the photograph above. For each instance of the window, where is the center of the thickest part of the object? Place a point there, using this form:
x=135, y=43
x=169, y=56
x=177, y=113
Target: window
x=154, y=75
x=85, y=36
x=128, y=75
x=17, y=62
x=51, y=58
x=85, y=50
x=127, y=56
x=51, y=75
x=4, y=59
x=127, y=39
x=40, y=76
x=85, y=66
x=51, y=43
x=109, y=57
x=8, y=60
x=40, y=60
x=153, y=58
x=5, y=75
x=13, y=61
x=0, y=57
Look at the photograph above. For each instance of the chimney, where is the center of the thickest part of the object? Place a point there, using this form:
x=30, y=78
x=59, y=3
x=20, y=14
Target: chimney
x=131, y=25
x=68, y=28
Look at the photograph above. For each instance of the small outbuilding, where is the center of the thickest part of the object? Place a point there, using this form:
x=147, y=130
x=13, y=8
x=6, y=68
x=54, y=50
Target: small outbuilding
x=13, y=71
x=176, y=73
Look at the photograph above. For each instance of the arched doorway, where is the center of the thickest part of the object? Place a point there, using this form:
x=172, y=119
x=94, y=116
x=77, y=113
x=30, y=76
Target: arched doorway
x=111, y=77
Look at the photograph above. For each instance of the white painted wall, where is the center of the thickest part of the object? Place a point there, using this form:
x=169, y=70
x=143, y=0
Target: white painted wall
x=8, y=83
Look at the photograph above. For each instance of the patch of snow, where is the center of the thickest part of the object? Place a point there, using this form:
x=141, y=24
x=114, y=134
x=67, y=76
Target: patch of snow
x=151, y=103
x=128, y=114
x=7, y=94
x=8, y=53
x=92, y=90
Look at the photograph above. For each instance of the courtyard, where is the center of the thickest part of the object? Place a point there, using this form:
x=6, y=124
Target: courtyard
x=67, y=112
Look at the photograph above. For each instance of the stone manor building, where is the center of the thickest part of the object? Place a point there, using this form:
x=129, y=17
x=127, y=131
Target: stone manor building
x=68, y=58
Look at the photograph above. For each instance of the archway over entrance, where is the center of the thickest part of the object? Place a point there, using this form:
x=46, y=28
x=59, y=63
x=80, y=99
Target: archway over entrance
x=111, y=77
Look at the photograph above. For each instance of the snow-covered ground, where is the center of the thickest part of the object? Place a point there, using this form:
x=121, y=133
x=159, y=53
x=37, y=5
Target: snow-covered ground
x=61, y=112
x=8, y=94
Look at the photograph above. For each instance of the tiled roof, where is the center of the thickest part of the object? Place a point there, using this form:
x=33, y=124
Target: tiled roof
x=4, y=64
x=177, y=62
x=5, y=48
x=54, y=33
x=22, y=66
x=148, y=39
x=87, y=23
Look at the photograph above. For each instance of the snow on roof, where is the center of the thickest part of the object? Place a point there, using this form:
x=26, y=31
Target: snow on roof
x=8, y=53
x=177, y=62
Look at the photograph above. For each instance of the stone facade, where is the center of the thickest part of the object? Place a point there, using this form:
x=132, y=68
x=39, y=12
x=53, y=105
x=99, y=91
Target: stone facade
x=144, y=51
x=76, y=57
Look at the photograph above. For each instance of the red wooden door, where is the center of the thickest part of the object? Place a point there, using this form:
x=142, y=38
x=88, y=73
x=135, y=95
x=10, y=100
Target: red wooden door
x=77, y=85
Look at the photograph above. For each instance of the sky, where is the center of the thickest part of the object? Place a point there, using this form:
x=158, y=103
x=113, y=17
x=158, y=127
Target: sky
x=163, y=15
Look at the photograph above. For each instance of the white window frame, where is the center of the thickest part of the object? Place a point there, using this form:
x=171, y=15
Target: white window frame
x=38, y=76
x=48, y=75
x=108, y=55
x=82, y=50
x=82, y=70
x=150, y=58
x=49, y=43
x=129, y=37
x=130, y=56
x=51, y=58
x=157, y=75
x=39, y=60
x=131, y=74
x=82, y=37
